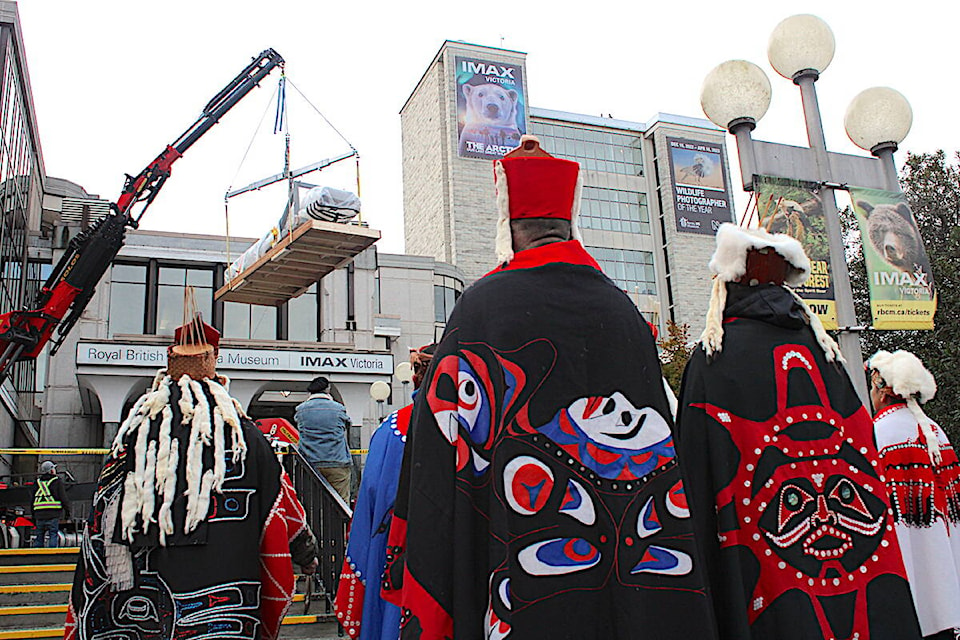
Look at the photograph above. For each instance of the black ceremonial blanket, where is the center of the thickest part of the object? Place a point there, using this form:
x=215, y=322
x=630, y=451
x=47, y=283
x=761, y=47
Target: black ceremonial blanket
x=785, y=489
x=540, y=495
x=215, y=581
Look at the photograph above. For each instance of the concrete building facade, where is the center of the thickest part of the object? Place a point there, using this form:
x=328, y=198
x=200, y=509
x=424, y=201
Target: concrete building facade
x=629, y=217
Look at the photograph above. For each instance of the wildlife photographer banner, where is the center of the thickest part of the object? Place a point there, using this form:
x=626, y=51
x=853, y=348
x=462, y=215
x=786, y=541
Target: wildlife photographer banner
x=902, y=295
x=490, y=108
x=698, y=172
x=794, y=208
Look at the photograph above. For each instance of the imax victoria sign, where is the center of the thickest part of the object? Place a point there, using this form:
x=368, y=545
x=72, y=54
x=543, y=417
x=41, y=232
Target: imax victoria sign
x=140, y=355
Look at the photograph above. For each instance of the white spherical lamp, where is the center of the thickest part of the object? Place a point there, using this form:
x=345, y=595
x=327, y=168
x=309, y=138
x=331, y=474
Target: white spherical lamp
x=876, y=116
x=800, y=43
x=735, y=90
x=379, y=390
x=404, y=372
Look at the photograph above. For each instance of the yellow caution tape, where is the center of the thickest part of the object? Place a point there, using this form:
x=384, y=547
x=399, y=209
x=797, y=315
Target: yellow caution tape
x=55, y=452
x=359, y=452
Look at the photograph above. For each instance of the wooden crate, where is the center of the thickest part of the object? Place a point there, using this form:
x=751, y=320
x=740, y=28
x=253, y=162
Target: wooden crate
x=298, y=260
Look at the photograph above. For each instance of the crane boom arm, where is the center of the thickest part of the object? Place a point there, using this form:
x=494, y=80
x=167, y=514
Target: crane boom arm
x=73, y=281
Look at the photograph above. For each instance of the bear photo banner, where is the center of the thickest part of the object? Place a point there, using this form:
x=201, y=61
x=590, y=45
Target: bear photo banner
x=902, y=295
x=699, y=173
x=795, y=208
x=490, y=108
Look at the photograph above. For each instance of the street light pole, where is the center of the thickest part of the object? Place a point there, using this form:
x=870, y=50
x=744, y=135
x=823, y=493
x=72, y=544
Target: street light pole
x=736, y=94
x=849, y=332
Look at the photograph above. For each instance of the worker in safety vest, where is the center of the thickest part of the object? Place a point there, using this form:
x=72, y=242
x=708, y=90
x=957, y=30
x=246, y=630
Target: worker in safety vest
x=49, y=503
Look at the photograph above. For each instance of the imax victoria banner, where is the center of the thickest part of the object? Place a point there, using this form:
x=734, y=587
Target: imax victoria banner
x=490, y=108
x=794, y=208
x=699, y=171
x=902, y=295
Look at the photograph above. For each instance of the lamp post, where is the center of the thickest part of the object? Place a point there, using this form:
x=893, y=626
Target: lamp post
x=380, y=391
x=736, y=94
x=404, y=373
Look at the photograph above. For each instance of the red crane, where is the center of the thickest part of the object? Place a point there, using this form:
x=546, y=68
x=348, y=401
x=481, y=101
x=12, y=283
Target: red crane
x=71, y=285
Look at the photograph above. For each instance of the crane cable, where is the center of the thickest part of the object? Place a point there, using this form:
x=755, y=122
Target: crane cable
x=226, y=205
x=342, y=137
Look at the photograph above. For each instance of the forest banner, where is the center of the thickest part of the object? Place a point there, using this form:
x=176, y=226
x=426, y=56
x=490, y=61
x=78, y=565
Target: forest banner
x=794, y=208
x=902, y=295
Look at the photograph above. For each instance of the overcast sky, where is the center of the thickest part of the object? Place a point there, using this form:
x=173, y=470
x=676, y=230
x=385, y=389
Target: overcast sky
x=115, y=81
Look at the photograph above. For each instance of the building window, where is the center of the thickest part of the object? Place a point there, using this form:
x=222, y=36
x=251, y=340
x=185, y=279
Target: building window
x=446, y=292
x=249, y=321
x=595, y=149
x=633, y=271
x=128, y=295
x=614, y=210
x=302, y=316
x=172, y=281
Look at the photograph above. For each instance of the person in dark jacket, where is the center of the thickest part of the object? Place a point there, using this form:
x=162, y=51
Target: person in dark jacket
x=323, y=422
x=49, y=504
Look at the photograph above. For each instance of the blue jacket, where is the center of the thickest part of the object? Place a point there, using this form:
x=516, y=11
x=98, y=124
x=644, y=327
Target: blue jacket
x=323, y=422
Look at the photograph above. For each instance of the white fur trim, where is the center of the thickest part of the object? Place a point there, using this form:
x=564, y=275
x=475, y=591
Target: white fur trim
x=575, y=209
x=165, y=519
x=228, y=409
x=905, y=374
x=147, y=495
x=219, y=454
x=671, y=398
x=131, y=422
x=201, y=413
x=163, y=448
x=129, y=509
x=186, y=399
x=831, y=350
x=729, y=261
x=712, y=336
x=504, y=241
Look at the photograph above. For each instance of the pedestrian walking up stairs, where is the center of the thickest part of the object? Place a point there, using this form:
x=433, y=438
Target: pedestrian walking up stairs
x=35, y=586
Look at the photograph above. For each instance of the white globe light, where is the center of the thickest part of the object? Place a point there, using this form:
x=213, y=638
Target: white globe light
x=735, y=89
x=801, y=42
x=404, y=372
x=878, y=115
x=379, y=390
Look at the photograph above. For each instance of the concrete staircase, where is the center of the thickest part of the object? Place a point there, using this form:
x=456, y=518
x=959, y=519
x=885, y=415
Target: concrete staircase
x=35, y=587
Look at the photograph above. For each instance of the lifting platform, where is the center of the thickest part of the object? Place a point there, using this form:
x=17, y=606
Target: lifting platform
x=297, y=261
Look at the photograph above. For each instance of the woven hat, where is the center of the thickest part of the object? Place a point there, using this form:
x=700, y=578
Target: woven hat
x=743, y=254
x=531, y=183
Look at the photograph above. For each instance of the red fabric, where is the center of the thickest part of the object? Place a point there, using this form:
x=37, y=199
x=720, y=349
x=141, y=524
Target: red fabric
x=435, y=622
x=349, y=602
x=286, y=520
x=540, y=187
x=392, y=586
x=70, y=626
x=570, y=252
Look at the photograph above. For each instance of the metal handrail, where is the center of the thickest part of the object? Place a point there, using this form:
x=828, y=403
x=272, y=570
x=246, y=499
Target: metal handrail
x=329, y=518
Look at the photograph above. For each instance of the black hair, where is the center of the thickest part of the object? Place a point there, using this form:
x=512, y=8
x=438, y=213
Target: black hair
x=318, y=385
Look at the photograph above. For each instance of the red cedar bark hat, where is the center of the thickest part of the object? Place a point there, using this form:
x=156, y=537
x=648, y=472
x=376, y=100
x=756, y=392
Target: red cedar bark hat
x=533, y=184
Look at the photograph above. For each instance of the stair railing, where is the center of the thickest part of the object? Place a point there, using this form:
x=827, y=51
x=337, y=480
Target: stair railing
x=329, y=519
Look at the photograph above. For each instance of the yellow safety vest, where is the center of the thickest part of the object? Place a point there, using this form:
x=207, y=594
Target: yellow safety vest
x=43, y=498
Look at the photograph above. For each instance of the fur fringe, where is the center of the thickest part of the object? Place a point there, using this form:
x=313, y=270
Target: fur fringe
x=219, y=454
x=165, y=519
x=712, y=336
x=117, y=557
x=504, y=241
x=575, y=210
x=927, y=430
x=228, y=409
x=186, y=399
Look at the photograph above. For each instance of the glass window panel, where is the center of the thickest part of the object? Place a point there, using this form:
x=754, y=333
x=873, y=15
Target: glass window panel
x=236, y=320
x=438, y=312
x=449, y=300
x=263, y=322
x=127, y=306
x=302, y=316
x=129, y=273
x=200, y=277
x=172, y=275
